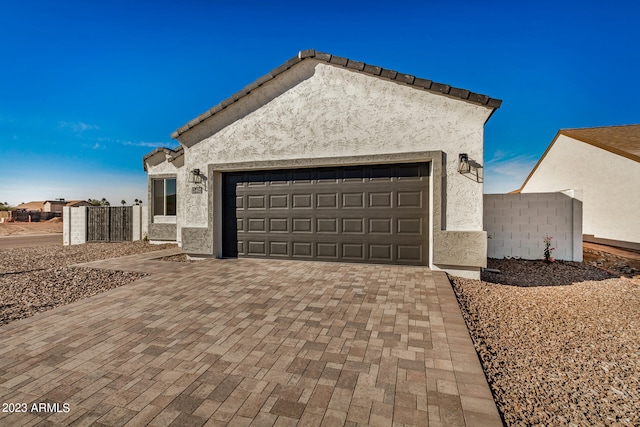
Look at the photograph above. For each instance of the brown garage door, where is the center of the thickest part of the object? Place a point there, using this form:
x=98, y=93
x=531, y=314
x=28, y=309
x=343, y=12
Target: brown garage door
x=376, y=214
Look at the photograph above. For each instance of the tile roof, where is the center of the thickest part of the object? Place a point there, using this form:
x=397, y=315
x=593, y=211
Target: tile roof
x=373, y=70
x=173, y=154
x=622, y=140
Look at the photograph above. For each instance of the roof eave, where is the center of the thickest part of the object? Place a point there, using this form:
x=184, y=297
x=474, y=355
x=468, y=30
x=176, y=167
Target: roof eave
x=416, y=82
x=169, y=153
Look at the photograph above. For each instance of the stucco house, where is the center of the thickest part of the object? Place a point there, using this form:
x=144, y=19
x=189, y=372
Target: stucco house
x=50, y=205
x=602, y=166
x=329, y=159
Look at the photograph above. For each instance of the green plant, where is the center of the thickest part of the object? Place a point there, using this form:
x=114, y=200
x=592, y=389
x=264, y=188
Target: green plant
x=548, y=250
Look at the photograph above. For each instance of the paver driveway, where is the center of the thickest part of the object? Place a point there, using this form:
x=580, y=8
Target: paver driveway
x=251, y=342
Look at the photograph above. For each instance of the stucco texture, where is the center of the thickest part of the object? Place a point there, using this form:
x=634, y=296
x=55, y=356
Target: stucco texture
x=605, y=182
x=319, y=110
x=321, y=114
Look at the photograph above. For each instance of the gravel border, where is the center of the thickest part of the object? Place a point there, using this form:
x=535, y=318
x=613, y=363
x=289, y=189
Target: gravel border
x=38, y=279
x=557, y=355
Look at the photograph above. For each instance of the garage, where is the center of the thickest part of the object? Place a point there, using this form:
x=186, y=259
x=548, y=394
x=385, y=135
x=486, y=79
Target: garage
x=330, y=159
x=372, y=214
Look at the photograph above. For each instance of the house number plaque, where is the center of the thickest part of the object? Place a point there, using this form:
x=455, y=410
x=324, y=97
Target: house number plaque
x=196, y=190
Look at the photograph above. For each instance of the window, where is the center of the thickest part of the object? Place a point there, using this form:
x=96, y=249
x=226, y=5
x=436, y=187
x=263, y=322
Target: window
x=164, y=196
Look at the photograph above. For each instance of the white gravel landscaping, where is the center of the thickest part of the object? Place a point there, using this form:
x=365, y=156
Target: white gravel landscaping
x=557, y=355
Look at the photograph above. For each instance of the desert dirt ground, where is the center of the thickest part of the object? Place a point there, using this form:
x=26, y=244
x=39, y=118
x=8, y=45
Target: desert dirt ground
x=29, y=228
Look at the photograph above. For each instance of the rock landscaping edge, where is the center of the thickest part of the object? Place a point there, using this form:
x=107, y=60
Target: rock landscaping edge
x=567, y=354
x=38, y=279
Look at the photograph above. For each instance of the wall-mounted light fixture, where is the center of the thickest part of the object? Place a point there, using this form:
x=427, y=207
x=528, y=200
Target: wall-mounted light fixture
x=464, y=165
x=195, y=177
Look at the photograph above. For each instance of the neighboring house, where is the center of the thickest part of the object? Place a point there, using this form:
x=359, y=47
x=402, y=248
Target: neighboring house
x=54, y=205
x=602, y=166
x=329, y=159
x=51, y=205
x=77, y=203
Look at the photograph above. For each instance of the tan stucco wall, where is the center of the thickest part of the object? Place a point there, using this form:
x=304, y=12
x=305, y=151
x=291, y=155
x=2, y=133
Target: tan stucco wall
x=606, y=183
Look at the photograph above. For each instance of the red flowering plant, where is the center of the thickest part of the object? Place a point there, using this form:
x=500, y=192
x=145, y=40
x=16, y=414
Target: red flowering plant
x=548, y=250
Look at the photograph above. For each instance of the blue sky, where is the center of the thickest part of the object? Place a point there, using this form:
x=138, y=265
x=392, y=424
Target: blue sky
x=88, y=88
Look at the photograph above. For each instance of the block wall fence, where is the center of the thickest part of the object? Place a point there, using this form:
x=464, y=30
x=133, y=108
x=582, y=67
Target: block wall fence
x=74, y=224
x=516, y=225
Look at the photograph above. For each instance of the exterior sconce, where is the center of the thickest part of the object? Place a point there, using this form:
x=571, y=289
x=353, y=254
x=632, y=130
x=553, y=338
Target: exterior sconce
x=195, y=177
x=464, y=167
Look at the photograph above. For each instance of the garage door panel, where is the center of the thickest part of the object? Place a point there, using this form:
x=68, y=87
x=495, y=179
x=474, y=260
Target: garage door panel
x=380, y=200
x=327, y=250
x=326, y=225
x=355, y=214
x=278, y=201
x=255, y=202
x=302, y=225
x=353, y=251
x=279, y=249
x=278, y=225
x=301, y=201
x=409, y=226
x=256, y=247
x=409, y=199
x=302, y=249
x=381, y=252
x=327, y=201
x=256, y=225
x=353, y=225
x=353, y=200
x=409, y=253
x=380, y=225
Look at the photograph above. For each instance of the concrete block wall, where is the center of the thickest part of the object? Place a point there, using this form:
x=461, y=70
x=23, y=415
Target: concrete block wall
x=74, y=224
x=516, y=225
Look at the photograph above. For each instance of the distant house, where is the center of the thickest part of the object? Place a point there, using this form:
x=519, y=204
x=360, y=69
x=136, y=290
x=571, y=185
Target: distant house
x=31, y=207
x=54, y=205
x=50, y=205
x=329, y=159
x=77, y=203
x=44, y=210
x=602, y=166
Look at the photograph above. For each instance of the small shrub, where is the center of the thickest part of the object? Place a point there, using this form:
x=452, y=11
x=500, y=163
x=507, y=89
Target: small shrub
x=548, y=250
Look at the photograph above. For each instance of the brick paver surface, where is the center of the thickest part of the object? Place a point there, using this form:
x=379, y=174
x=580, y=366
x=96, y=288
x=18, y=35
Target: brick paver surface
x=250, y=342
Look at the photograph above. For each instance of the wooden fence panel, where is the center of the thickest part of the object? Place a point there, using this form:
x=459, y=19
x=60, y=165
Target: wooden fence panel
x=121, y=224
x=109, y=224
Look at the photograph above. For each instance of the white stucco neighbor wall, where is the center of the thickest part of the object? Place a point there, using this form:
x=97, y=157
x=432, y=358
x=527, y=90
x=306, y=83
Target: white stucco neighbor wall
x=317, y=110
x=608, y=184
x=516, y=225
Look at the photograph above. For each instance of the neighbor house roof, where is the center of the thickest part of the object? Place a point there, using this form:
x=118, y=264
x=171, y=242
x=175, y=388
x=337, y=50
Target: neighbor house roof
x=357, y=66
x=31, y=206
x=72, y=203
x=622, y=140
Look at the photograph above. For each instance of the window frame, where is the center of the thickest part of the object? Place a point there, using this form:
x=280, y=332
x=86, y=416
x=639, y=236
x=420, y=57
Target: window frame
x=166, y=205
